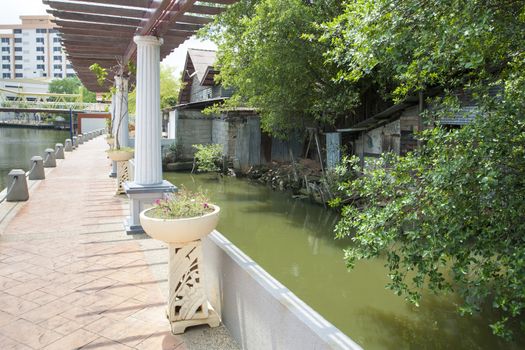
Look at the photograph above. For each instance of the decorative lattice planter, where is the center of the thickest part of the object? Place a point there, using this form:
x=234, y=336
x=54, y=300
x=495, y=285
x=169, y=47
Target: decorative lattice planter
x=187, y=301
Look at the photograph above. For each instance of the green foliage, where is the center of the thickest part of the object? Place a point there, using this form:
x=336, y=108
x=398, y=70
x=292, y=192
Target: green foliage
x=449, y=216
x=336, y=179
x=100, y=72
x=208, y=157
x=184, y=204
x=71, y=85
x=408, y=45
x=454, y=207
x=267, y=52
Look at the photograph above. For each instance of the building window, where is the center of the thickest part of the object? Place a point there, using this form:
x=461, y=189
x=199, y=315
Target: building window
x=6, y=58
x=6, y=75
x=5, y=40
x=40, y=49
x=69, y=66
x=41, y=30
x=40, y=58
x=5, y=49
x=18, y=66
x=70, y=75
x=58, y=75
x=17, y=31
x=18, y=40
x=40, y=66
x=18, y=58
x=6, y=66
x=57, y=66
x=56, y=39
x=40, y=40
x=57, y=49
x=57, y=58
x=18, y=49
x=19, y=75
x=53, y=31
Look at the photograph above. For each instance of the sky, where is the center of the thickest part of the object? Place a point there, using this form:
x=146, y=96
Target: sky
x=11, y=10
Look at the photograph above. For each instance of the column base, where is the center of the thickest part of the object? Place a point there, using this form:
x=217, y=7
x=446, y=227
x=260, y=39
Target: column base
x=213, y=320
x=112, y=174
x=142, y=197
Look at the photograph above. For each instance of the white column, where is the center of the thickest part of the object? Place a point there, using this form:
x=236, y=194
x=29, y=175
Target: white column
x=121, y=111
x=148, y=163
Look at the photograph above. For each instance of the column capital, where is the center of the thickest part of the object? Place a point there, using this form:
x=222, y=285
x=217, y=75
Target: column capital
x=148, y=40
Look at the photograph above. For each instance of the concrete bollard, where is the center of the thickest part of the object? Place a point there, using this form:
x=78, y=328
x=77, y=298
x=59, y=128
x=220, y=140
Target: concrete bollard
x=69, y=146
x=80, y=139
x=49, y=159
x=87, y=136
x=17, y=190
x=37, y=166
x=75, y=142
x=59, y=151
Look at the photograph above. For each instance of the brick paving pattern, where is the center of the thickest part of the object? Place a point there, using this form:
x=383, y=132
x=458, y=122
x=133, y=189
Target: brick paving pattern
x=70, y=278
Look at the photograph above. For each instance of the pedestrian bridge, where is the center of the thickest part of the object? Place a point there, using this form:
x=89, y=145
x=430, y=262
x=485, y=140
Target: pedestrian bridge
x=34, y=102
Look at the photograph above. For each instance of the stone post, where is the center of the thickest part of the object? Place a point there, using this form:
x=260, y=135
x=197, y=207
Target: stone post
x=148, y=184
x=17, y=190
x=75, y=142
x=59, y=151
x=49, y=158
x=69, y=146
x=37, y=171
x=80, y=139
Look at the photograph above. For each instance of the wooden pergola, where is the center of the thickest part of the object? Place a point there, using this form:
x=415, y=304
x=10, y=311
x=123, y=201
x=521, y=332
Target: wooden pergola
x=102, y=31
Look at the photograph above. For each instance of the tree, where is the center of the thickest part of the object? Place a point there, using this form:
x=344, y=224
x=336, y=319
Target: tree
x=267, y=53
x=450, y=215
x=71, y=85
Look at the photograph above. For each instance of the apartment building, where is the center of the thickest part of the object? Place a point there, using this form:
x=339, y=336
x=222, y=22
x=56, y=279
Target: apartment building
x=32, y=49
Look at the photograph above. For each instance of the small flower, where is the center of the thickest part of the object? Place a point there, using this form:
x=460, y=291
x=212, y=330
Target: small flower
x=206, y=206
x=157, y=202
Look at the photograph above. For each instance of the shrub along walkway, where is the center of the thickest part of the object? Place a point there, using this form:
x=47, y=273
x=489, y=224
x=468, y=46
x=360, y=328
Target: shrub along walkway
x=71, y=278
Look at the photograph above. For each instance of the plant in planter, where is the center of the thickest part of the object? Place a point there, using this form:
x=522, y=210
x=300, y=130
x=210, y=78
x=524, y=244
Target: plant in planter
x=115, y=153
x=181, y=221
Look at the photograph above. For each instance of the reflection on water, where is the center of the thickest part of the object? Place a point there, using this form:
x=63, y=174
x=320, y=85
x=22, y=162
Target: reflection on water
x=17, y=146
x=293, y=241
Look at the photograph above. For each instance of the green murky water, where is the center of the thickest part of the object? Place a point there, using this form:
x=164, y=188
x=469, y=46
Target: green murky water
x=293, y=241
x=17, y=146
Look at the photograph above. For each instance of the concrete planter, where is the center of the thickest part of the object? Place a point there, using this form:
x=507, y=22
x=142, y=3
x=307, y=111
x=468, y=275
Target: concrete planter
x=187, y=301
x=120, y=156
x=180, y=230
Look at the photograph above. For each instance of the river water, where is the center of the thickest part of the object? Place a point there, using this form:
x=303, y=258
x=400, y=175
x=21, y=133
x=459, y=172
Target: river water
x=293, y=241
x=17, y=146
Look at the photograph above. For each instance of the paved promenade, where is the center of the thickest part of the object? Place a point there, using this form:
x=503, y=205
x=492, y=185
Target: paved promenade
x=71, y=278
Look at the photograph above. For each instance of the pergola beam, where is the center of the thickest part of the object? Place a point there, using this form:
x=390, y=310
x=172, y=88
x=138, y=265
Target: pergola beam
x=128, y=3
x=102, y=19
x=102, y=31
x=95, y=9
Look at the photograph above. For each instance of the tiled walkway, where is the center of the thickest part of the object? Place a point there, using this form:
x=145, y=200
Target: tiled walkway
x=71, y=278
